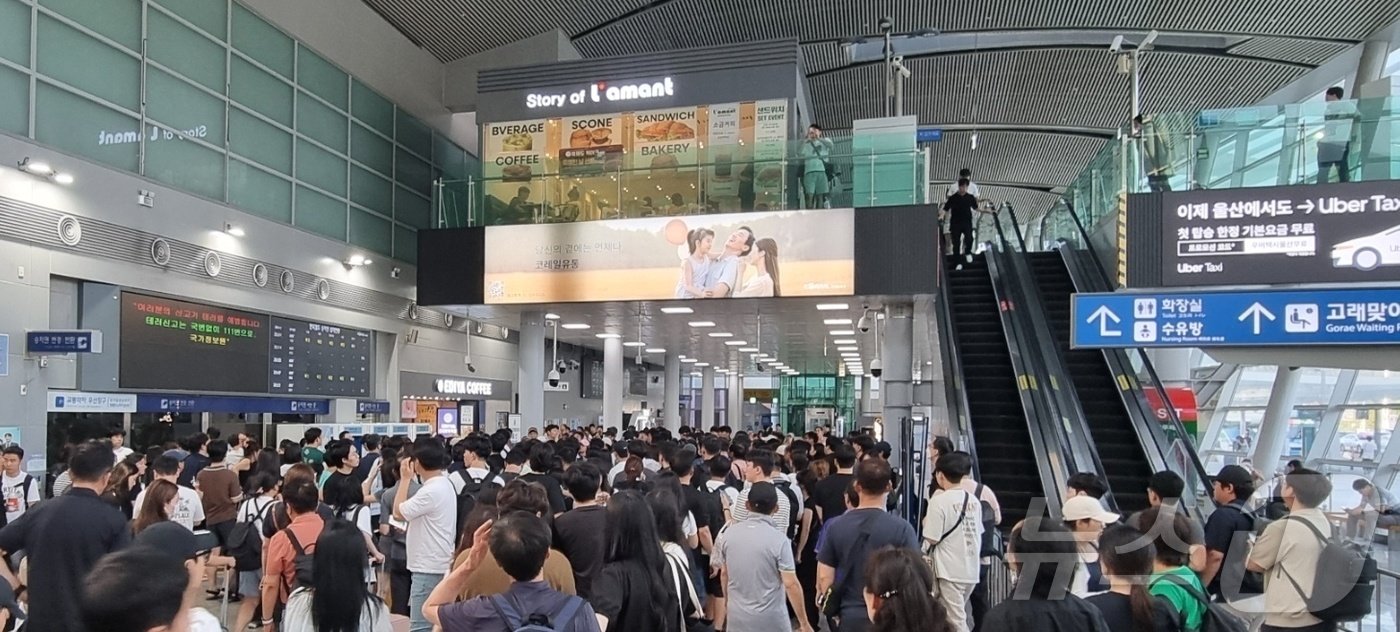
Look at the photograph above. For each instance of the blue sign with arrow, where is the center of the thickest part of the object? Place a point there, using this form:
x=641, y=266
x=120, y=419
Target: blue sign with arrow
x=1233, y=319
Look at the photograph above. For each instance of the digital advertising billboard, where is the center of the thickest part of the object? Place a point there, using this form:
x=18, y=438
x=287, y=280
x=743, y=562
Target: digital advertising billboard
x=734, y=255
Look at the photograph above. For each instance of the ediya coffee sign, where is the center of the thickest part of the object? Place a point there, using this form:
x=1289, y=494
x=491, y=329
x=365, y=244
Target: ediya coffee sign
x=603, y=92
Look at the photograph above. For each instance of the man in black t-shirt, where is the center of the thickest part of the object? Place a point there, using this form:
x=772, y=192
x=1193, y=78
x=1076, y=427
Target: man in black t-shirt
x=958, y=210
x=579, y=532
x=829, y=494
x=1230, y=526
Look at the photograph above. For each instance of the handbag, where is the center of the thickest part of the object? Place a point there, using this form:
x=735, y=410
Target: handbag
x=688, y=623
x=930, y=548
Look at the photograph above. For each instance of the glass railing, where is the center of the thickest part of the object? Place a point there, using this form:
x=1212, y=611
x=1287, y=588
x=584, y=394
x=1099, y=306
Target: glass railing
x=1301, y=143
x=598, y=185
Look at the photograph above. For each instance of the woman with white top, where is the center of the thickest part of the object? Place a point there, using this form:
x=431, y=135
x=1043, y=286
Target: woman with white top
x=764, y=259
x=696, y=267
x=262, y=494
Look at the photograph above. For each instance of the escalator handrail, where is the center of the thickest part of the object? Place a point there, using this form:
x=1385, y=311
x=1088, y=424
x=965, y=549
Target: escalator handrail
x=1071, y=426
x=1173, y=419
x=954, y=382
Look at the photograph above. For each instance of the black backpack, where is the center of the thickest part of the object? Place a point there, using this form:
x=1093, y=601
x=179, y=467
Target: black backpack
x=304, y=562
x=466, y=499
x=1216, y=618
x=1251, y=583
x=794, y=520
x=1344, y=583
x=245, y=543
x=516, y=622
x=24, y=497
x=720, y=498
x=992, y=545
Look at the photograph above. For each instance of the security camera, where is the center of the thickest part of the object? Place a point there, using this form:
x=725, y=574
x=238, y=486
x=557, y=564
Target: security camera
x=561, y=367
x=886, y=24
x=471, y=368
x=553, y=379
x=1117, y=45
x=863, y=324
x=899, y=67
x=875, y=368
x=758, y=366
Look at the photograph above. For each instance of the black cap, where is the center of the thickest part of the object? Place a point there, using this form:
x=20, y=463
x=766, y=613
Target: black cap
x=1237, y=476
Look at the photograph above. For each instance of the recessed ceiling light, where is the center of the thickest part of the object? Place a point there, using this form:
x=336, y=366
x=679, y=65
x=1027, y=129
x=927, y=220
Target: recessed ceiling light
x=677, y=310
x=721, y=334
x=697, y=374
x=735, y=343
x=843, y=332
x=837, y=321
x=656, y=350
x=850, y=354
x=689, y=360
x=551, y=316
x=846, y=341
x=575, y=326
x=702, y=364
x=701, y=323
x=748, y=350
x=634, y=343
x=832, y=307
x=761, y=356
x=606, y=336
x=848, y=348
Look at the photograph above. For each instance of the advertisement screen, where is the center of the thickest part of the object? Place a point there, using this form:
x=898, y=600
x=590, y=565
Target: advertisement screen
x=735, y=255
x=170, y=344
x=318, y=359
x=1330, y=233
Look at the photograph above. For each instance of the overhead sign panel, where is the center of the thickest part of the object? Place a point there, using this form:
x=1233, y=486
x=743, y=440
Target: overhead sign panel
x=1237, y=319
x=1330, y=233
x=62, y=341
x=735, y=255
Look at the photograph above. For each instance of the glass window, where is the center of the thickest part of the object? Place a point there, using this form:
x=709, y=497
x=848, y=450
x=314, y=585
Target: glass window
x=261, y=41
x=1315, y=386
x=185, y=51
x=184, y=107
x=448, y=157
x=14, y=101
x=371, y=149
x=14, y=32
x=259, y=192
x=187, y=165
x=87, y=64
x=321, y=168
x=1222, y=163
x=210, y=15
x=86, y=128
x=118, y=20
x=1253, y=387
x=322, y=123
x=1392, y=63
x=1375, y=387
x=1264, y=174
x=371, y=191
x=412, y=209
x=256, y=139
x=320, y=214
x=371, y=231
x=413, y=134
x=413, y=173
x=405, y=244
x=322, y=78
x=261, y=91
x=1362, y=433
x=371, y=109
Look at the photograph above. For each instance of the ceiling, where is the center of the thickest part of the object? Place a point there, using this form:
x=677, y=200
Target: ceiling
x=794, y=330
x=1047, y=107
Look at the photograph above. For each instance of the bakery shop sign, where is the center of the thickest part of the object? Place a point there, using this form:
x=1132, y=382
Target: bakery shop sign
x=603, y=92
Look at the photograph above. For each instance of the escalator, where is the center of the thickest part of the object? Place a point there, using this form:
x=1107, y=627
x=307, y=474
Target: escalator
x=1005, y=452
x=1125, y=463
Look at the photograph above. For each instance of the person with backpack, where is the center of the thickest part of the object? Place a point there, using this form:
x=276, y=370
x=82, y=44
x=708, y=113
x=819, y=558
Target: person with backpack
x=21, y=489
x=287, y=558
x=1290, y=554
x=519, y=542
x=953, y=537
x=246, y=544
x=474, y=477
x=848, y=543
x=1227, y=536
x=346, y=498
x=336, y=599
x=762, y=468
x=1171, y=578
x=1127, y=606
x=1164, y=489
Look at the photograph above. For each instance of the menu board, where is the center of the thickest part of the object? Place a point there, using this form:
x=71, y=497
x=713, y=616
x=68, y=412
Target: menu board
x=319, y=359
x=517, y=149
x=725, y=150
x=770, y=127
x=663, y=140
x=177, y=345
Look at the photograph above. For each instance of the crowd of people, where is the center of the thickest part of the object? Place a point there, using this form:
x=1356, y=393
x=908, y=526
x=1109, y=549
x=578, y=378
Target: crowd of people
x=590, y=529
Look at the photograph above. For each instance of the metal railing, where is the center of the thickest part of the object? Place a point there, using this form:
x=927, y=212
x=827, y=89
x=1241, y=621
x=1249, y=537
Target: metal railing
x=1384, y=614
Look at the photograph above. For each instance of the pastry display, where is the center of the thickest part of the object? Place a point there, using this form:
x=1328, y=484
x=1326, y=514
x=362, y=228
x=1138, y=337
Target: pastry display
x=580, y=138
x=517, y=142
x=665, y=130
x=516, y=172
x=602, y=135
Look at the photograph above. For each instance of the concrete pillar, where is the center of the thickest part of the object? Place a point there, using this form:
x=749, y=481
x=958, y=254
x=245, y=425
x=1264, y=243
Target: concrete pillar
x=614, y=382
x=897, y=380
x=671, y=408
x=1273, y=431
x=532, y=372
x=1370, y=65
x=735, y=402
x=707, y=398
x=863, y=404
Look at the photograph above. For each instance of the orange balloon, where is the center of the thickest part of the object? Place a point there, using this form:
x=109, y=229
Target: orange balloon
x=675, y=232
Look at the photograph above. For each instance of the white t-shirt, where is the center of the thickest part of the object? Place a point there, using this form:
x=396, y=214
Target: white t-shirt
x=189, y=509
x=459, y=482
x=358, y=514
x=729, y=492
x=432, y=526
x=1368, y=450
x=971, y=188
x=16, y=500
x=121, y=453
x=955, y=557
x=255, y=510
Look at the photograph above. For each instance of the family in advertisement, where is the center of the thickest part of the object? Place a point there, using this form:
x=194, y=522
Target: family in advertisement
x=710, y=273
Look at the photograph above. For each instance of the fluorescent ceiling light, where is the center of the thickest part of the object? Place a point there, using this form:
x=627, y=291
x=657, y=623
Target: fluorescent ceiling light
x=748, y=350
x=67, y=178
x=843, y=332
x=634, y=343
x=697, y=374
x=721, y=334
x=832, y=307
x=606, y=336
x=689, y=360
x=848, y=348
x=575, y=325
x=656, y=350
x=702, y=364
x=677, y=310
x=701, y=323
x=850, y=354
x=846, y=341
x=837, y=321
x=231, y=229
x=761, y=356
x=735, y=343
x=552, y=316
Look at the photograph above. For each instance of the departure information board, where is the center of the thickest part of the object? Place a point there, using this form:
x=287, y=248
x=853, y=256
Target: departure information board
x=318, y=359
x=177, y=345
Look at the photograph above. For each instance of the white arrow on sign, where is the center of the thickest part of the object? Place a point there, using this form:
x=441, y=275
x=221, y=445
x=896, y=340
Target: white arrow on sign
x=1103, y=314
x=1307, y=206
x=1257, y=312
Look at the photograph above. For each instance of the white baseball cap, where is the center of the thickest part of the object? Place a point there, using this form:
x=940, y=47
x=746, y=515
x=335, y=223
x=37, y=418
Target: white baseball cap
x=1085, y=507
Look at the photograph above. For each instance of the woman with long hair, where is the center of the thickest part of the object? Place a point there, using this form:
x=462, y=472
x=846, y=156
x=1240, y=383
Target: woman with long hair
x=1044, y=556
x=809, y=525
x=766, y=282
x=899, y=594
x=160, y=501
x=125, y=483
x=1126, y=558
x=632, y=476
x=338, y=599
x=634, y=591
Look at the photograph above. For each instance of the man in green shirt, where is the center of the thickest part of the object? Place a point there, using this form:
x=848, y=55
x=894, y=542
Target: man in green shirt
x=1172, y=577
x=311, y=453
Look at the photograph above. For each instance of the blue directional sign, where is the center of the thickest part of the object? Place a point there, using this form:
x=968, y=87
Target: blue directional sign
x=60, y=341
x=1230, y=319
x=4, y=355
x=929, y=135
